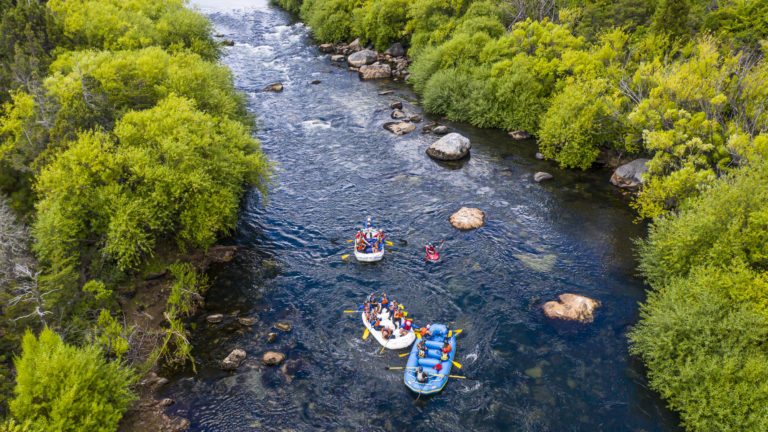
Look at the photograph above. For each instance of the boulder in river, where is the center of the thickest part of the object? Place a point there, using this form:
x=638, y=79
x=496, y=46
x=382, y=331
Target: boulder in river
x=338, y=58
x=630, y=176
x=326, y=48
x=233, y=360
x=440, y=130
x=375, y=71
x=276, y=87
x=271, y=337
x=272, y=358
x=468, y=218
x=396, y=105
x=397, y=114
x=214, y=318
x=542, y=176
x=519, y=135
x=362, y=58
x=315, y=82
x=228, y=42
x=284, y=326
x=572, y=307
x=453, y=146
x=399, y=128
x=414, y=118
x=246, y=321
x=396, y=50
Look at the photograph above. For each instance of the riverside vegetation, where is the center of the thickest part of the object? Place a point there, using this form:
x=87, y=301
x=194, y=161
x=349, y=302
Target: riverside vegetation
x=682, y=82
x=124, y=147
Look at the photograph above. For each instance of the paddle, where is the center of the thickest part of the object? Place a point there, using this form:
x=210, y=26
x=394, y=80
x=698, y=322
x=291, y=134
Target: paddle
x=403, y=354
x=343, y=257
x=399, y=367
x=458, y=376
x=365, y=334
x=389, y=243
x=457, y=364
x=350, y=240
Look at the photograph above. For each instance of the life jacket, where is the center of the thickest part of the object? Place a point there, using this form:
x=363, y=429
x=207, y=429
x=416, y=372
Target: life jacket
x=407, y=324
x=384, y=300
x=444, y=357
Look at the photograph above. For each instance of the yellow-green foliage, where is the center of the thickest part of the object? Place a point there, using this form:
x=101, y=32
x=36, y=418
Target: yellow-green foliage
x=66, y=388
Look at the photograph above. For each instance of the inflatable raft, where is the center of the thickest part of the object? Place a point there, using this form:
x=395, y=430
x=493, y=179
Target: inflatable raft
x=397, y=341
x=437, y=378
x=372, y=252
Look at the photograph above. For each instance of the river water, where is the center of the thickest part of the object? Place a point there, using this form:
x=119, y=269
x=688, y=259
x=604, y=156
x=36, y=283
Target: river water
x=335, y=166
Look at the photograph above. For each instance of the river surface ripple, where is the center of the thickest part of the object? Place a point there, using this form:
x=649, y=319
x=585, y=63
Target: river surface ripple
x=335, y=166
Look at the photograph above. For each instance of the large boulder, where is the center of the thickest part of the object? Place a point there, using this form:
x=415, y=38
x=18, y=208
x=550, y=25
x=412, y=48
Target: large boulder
x=453, y=146
x=630, y=176
x=468, y=218
x=396, y=50
x=272, y=358
x=572, y=307
x=542, y=176
x=362, y=58
x=375, y=71
x=233, y=360
x=399, y=128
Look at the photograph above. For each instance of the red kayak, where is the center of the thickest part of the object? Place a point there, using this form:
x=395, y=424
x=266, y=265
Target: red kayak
x=431, y=253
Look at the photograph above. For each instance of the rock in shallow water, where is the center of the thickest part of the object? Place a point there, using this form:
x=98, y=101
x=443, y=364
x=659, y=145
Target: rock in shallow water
x=375, y=71
x=284, y=326
x=396, y=105
x=214, y=318
x=399, y=128
x=572, y=307
x=272, y=358
x=542, y=176
x=468, y=218
x=453, y=146
x=397, y=114
x=271, y=337
x=519, y=135
x=276, y=87
x=362, y=58
x=630, y=176
x=233, y=360
x=246, y=321
x=326, y=48
x=338, y=58
x=440, y=130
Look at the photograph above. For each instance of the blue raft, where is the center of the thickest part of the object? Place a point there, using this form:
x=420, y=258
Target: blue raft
x=437, y=379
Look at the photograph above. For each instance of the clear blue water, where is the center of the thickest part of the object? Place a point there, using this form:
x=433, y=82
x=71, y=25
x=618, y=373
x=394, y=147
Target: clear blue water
x=335, y=166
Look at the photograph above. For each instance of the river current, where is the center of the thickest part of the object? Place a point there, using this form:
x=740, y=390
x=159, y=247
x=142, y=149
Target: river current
x=336, y=165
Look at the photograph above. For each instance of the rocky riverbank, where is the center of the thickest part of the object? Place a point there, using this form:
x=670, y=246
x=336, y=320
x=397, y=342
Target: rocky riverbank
x=370, y=64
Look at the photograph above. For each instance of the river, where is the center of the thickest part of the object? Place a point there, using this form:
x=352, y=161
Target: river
x=335, y=166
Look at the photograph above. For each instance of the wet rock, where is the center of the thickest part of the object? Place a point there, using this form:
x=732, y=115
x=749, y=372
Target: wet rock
x=228, y=42
x=396, y=50
x=396, y=105
x=468, y=218
x=178, y=424
x=386, y=92
x=362, y=58
x=534, y=372
x=397, y=114
x=375, y=71
x=542, y=176
x=519, y=135
x=338, y=58
x=276, y=87
x=355, y=45
x=221, y=254
x=572, y=307
x=284, y=326
x=271, y=337
x=214, y=318
x=315, y=82
x=539, y=156
x=414, y=118
x=154, y=381
x=219, y=35
x=440, y=130
x=630, y=176
x=156, y=275
x=166, y=402
x=399, y=128
x=246, y=321
x=272, y=358
x=453, y=146
x=233, y=360
x=326, y=48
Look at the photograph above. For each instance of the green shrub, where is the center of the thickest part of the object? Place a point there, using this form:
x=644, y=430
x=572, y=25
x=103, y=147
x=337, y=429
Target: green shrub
x=65, y=388
x=330, y=20
x=381, y=22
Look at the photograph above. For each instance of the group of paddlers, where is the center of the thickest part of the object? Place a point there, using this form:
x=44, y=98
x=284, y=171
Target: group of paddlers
x=377, y=310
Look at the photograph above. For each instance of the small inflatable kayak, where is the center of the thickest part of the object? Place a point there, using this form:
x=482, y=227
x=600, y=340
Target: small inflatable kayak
x=431, y=256
x=438, y=376
x=399, y=340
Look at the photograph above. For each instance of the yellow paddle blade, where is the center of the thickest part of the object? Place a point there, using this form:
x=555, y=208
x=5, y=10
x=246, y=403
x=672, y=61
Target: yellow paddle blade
x=389, y=243
x=405, y=313
x=382, y=349
x=403, y=355
x=450, y=333
x=350, y=240
x=345, y=256
x=401, y=306
x=351, y=311
x=418, y=335
x=459, y=331
x=457, y=376
x=365, y=334
x=457, y=364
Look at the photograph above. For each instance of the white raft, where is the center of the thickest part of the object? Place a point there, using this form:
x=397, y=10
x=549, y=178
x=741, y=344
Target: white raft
x=397, y=341
x=362, y=256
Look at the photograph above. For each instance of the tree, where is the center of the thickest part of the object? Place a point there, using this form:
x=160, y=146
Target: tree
x=66, y=388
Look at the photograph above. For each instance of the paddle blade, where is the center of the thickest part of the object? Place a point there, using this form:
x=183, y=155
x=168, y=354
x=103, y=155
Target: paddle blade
x=350, y=311
x=458, y=331
x=393, y=367
x=350, y=240
x=389, y=243
x=345, y=256
x=457, y=364
x=365, y=334
x=403, y=354
x=418, y=335
x=401, y=306
x=405, y=313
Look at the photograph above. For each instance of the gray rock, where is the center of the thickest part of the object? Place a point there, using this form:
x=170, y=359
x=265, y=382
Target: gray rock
x=399, y=128
x=631, y=175
x=539, y=156
x=276, y=87
x=520, y=135
x=396, y=50
x=453, y=146
x=375, y=71
x=396, y=105
x=338, y=58
x=246, y=321
x=414, y=118
x=542, y=176
x=272, y=358
x=386, y=92
x=355, y=45
x=397, y=114
x=214, y=318
x=440, y=130
x=362, y=58
x=228, y=42
x=326, y=48
x=233, y=360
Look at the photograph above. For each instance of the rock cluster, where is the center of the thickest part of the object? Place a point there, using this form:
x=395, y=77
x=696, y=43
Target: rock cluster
x=572, y=307
x=468, y=218
x=392, y=63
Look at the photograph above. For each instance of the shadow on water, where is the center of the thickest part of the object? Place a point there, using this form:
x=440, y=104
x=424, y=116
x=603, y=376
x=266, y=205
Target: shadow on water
x=335, y=166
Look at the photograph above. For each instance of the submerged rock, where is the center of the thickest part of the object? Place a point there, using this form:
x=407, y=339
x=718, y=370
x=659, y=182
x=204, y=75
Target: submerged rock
x=246, y=321
x=315, y=82
x=440, y=130
x=397, y=114
x=362, y=58
x=272, y=358
x=271, y=337
x=214, y=318
x=572, y=307
x=233, y=360
x=284, y=326
x=468, y=218
x=414, y=118
x=630, y=176
x=338, y=58
x=396, y=105
x=326, y=48
x=453, y=146
x=375, y=71
x=396, y=50
x=276, y=87
x=228, y=42
x=542, y=176
x=519, y=135
x=399, y=128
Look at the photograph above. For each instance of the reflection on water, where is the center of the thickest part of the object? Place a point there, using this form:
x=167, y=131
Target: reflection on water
x=337, y=165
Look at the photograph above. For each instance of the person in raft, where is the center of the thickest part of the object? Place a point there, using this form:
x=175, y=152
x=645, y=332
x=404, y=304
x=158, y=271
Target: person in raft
x=398, y=318
x=406, y=327
x=421, y=376
x=362, y=244
x=431, y=250
x=369, y=223
x=446, y=351
x=386, y=332
x=422, y=349
x=425, y=332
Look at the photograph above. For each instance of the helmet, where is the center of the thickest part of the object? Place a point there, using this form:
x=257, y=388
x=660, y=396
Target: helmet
x=421, y=368
x=428, y=326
